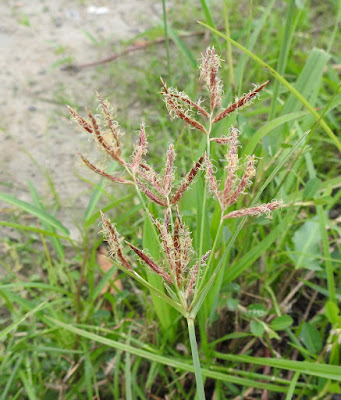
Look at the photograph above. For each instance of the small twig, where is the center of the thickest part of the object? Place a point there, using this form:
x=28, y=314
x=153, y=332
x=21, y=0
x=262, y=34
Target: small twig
x=138, y=46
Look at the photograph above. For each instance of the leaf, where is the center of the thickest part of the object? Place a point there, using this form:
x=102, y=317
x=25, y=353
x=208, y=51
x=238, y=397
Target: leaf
x=311, y=338
x=257, y=328
x=256, y=310
x=232, y=303
x=307, y=243
x=311, y=188
x=332, y=312
x=281, y=323
x=37, y=212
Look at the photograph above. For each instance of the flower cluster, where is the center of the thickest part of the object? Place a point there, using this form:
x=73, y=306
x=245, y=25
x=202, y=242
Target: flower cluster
x=177, y=267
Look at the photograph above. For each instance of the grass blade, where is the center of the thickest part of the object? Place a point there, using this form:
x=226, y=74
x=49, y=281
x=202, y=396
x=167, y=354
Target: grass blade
x=37, y=212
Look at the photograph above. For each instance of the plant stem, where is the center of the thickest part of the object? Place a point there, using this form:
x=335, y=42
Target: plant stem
x=195, y=357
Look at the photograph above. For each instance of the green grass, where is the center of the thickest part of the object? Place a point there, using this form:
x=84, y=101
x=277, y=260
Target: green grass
x=271, y=318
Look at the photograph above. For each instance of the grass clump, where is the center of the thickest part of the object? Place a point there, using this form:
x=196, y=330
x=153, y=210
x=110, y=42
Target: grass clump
x=256, y=300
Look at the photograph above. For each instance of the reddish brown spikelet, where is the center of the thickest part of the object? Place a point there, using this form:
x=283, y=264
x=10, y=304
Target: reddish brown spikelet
x=209, y=73
x=111, y=123
x=212, y=179
x=232, y=163
x=166, y=244
x=166, y=221
x=187, y=181
x=151, y=263
x=110, y=150
x=151, y=177
x=168, y=177
x=257, y=210
x=183, y=116
x=222, y=140
x=112, y=239
x=156, y=199
x=103, y=173
x=80, y=120
x=141, y=149
x=239, y=103
x=191, y=103
x=245, y=181
x=194, y=273
x=177, y=250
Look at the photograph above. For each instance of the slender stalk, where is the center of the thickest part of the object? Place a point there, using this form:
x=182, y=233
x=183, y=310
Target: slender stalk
x=196, y=360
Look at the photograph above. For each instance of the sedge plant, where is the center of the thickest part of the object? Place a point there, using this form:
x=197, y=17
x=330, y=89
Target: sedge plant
x=187, y=273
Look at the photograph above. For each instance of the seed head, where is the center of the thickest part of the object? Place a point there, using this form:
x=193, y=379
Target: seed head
x=209, y=67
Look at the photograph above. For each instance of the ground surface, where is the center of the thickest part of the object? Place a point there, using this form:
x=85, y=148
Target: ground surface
x=36, y=39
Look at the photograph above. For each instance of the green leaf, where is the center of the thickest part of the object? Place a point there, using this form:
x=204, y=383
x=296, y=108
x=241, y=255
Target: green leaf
x=37, y=212
x=232, y=303
x=256, y=310
x=307, y=243
x=332, y=312
x=281, y=323
x=34, y=310
x=305, y=367
x=311, y=188
x=180, y=363
x=309, y=80
x=269, y=127
x=311, y=338
x=257, y=328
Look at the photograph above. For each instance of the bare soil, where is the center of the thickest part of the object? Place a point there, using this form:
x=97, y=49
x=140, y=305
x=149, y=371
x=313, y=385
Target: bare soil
x=37, y=37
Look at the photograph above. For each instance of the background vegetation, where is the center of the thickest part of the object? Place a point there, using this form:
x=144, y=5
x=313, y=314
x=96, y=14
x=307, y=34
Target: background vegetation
x=271, y=328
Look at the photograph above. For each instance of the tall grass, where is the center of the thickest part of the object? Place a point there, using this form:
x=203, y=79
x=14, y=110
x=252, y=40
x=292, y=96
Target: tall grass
x=266, y=304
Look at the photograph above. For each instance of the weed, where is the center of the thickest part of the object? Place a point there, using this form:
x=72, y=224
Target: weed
x=179, y=272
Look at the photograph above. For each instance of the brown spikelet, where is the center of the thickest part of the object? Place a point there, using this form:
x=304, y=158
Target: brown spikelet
x=232, y=166
x=209, y=68
x=167, y=244
x=221, y=140
x=245, y=181
x=167, y=218
x=156, y=199
x=113, y=241
x=80, y=120
x=191, y=121
x=109, y=149
x=103, y=173
x=187, y=181
x=191, y=103
x=151, y=263
x=257, y=210
x=194, y=273
x=141, y=148
x=243, y=101
x=168, y=176
x=212, y=179
x=177, y=250
x=111, y=123
x=151, y=176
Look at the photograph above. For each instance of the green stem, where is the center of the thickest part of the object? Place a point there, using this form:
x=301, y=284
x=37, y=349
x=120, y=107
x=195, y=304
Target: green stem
x=195, y=357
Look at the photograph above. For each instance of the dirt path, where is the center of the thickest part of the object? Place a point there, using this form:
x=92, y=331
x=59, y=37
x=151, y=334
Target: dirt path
x=36, y=137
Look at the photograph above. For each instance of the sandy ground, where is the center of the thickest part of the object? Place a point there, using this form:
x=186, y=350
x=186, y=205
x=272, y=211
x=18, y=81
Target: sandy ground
x=36, y=137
